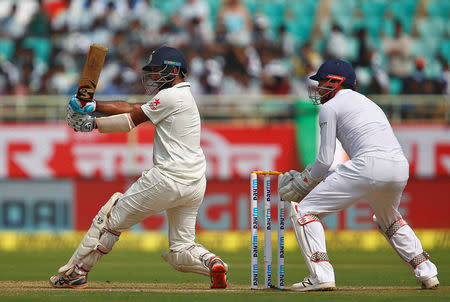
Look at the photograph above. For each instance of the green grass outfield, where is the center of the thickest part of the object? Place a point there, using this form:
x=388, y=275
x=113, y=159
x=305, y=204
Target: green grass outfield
x=144, y=276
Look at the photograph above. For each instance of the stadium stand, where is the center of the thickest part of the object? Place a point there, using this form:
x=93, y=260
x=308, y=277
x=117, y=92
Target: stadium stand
x=366, y=33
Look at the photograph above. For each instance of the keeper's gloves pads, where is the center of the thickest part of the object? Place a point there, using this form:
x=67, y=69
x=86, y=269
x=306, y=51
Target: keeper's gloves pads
x=294, y=185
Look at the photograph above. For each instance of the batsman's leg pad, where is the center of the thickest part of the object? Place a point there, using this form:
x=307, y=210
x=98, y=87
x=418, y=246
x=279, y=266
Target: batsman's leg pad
x=104, y=246
x=91, y=240
x=194, y=259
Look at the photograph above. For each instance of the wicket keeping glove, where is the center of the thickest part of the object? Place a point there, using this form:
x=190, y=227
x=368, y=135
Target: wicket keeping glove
x=78, y=106
x=80, y=122
x=296, y=185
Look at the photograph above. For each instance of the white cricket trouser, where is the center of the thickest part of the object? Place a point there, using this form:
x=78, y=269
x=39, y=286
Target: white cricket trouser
x=153, y=193
x=378, y=181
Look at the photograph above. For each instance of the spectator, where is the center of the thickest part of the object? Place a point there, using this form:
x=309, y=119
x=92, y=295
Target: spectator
x=260, y=34
x=55, y=7
x=195, y=14
x=238, y=71
x=20, y=68
x=114, y=19
x=116, y=86
x=275, y=76
x=237, y=20
x=380, y=80
x=79, y=16
x=129, y=27
x=309, y=56
x=61, y=80
x=414, y=84
x=364, y=52
x=336, y=46
x=152, y=20
x=135, y=34
x=11, y=27
x=197, y=38
x=286, y=40
x=444, y=79
x=398, y=50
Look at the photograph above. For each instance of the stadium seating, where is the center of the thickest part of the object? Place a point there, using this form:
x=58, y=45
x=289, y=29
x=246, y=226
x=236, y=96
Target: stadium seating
x=438, y=9
x=445, y=49
x=431, y=28
x=6, y=49
x=168, y=7
x=395, y=86
x=40, y=46
x=426, y=21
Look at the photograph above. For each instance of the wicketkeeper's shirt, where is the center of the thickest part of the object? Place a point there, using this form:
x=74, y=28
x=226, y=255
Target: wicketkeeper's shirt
x=176, y=150
x=361, y=127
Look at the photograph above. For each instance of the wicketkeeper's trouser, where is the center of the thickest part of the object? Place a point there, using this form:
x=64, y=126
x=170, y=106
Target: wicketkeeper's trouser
x=380, y=182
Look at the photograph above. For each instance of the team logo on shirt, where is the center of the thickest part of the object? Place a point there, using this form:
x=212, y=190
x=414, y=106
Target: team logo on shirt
x=154, y=104
x=322, y=124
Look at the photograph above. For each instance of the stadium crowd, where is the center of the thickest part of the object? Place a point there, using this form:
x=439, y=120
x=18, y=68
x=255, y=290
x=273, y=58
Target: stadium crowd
x=232, y=47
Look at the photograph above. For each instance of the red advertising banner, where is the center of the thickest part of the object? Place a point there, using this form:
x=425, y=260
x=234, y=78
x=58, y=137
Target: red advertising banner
x=57, y=205
x=427, y=148
x=425, y=204
x=53, y=150
x=68, y=176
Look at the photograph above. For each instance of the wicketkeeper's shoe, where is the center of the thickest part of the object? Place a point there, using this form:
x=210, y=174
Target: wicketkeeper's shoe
x=308, y=285
x=218, y=270
x=74, y=280
x=431, y=283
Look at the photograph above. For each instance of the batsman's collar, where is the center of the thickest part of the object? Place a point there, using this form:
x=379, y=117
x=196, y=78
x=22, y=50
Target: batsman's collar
x=182, y=84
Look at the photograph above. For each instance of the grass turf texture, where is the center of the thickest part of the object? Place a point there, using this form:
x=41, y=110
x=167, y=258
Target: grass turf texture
x=144, y=276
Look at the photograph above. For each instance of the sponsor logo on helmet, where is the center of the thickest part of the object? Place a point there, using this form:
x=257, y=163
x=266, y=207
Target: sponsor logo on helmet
x=172, y=63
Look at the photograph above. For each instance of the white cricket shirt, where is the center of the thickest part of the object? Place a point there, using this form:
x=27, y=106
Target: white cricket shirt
x=361, y=127
x=176, y=150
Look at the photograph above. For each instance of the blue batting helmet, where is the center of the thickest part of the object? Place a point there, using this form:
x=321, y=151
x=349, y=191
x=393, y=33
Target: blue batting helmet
x=166, y=56
x=336, y=67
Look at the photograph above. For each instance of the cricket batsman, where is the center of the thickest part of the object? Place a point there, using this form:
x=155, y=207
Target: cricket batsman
x=376, y=172
x=175, y=184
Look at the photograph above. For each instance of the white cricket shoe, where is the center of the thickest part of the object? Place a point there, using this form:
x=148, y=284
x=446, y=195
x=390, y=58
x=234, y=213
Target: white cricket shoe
x=431, y=283
x=308, y=285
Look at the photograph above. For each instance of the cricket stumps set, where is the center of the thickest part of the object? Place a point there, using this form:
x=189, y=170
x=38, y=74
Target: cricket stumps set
x=267, y=230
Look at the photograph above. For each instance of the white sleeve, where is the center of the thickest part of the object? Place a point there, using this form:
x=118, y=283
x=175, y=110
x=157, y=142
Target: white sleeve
x=325, y=157
x=159, y=107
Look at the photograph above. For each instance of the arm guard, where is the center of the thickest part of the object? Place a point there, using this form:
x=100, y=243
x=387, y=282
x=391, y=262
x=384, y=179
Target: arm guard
x=115, y=123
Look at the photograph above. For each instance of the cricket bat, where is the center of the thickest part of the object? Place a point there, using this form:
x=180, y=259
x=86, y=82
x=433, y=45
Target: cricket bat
x=91, y=72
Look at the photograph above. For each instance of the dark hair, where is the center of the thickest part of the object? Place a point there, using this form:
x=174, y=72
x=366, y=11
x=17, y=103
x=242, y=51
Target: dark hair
x=347, y=86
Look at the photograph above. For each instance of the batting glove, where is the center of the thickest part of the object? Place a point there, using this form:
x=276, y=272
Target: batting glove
x=78, y=106
x=80, y=122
